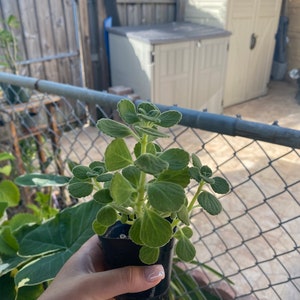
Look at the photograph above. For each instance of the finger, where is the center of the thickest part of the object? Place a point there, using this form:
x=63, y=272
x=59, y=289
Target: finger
x=131, y=279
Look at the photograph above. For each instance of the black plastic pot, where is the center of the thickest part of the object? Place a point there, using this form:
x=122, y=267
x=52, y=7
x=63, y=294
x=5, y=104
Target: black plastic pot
x=119, y=251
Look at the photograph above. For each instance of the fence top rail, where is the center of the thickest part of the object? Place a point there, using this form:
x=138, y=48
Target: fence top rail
x=190, y=118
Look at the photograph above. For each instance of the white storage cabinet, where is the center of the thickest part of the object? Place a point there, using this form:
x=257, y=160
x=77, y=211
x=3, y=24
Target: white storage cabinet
x=180, y=64
x=253, y=24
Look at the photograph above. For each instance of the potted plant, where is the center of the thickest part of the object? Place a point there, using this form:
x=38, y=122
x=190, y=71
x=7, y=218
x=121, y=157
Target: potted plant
x=143, y=192
x=9, y=60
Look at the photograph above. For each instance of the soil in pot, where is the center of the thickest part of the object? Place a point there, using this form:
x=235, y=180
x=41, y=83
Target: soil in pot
x=120, y=251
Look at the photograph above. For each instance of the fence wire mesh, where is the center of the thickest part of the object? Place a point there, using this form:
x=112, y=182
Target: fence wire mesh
x=254, y=242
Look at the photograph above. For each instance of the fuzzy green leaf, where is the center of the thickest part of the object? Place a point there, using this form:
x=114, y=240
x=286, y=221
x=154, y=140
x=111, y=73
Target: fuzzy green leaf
x=135, y=232
x=196, y=161
x=117, y=155
x=8, y=243
x=220, y=185
x=120, y=189
x=132, y=174
x=177, y=158
x=98, y=228
x=127, y=111
x=151, y=224
x=113, y=128
x=166, y=196
x=147, y=107
x=80, y=189
x=195, y=173
x=185, y=250
x=81, y=172
x=103, y=196
x=149, y=255
x=183, y=215
x=170, y=118
x=150, y=131
x=181, y=177
x=107, y=216
x=151, y=164
x=210, y=203
x=206, y=171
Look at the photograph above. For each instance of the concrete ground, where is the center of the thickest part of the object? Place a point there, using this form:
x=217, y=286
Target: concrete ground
x=278, y=105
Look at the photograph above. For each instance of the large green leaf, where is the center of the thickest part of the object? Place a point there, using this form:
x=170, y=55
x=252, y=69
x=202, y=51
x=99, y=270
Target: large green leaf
x=151, y=224
x=41, y=180
x=151, y=164
x=177, y=158
x=181, y=177
x=127, y=111
x=117, y=155
x=120, y=189
x=113, y=128
x=169, y=118
x=9, y=193
x=210, y=203
x=166, y=196
x=55, y=240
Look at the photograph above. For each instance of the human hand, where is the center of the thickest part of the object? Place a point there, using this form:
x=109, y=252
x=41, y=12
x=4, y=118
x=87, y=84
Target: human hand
x=83, y=277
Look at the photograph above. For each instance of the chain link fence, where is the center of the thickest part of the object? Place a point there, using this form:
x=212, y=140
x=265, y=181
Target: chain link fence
x=254, y=242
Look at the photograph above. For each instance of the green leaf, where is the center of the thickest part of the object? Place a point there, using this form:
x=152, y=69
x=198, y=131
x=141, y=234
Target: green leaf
x=177, y=158
x=220, y=185
x=185, y=250
x=127, y=111
x=135, y=232
x=81, y=172
x=8, y=243
x=98, y=228
x=7, y=287
x=206, y=171
x=132, y=174
x=103, y=196
x=113, y=128
x=3, y=207
x=150, y=131
x=187, y=231
x=166, y=196
x=147, y=107
x=42, y=180
x=107, y=216
x=210, y=203
x=181, y=177
x=117, y=155
x=151, y=164
x=21, y=219
x=195, y=173
x=6, y=156
x=183, y=215
x=104, y=177
x=30, y=292
x=149, y=255
x=56, y=240
x=6, y=170
x=80, y=189
x=196, y=161
x=151, y=224
x=120, y=189
x=9, y=193
x=170, y=118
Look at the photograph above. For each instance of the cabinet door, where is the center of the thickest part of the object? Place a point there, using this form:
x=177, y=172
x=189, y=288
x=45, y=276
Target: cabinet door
x=209, y=74
x=261, y=56
x=173, y=65
x=253, y=24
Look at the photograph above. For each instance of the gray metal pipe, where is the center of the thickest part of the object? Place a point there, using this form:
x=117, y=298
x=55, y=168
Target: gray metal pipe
x=196, y=119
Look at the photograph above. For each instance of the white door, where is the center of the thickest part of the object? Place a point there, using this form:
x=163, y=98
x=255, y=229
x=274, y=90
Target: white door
x=173, y=64
x=253, y=24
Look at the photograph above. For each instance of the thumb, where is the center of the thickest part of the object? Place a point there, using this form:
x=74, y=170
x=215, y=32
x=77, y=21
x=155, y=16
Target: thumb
x=124, y=280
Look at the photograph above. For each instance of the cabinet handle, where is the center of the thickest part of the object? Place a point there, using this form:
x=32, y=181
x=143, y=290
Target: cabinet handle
x=253, y=40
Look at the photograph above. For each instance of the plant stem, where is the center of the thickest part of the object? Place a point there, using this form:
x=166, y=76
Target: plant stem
x=192, y=203
x=141, y=190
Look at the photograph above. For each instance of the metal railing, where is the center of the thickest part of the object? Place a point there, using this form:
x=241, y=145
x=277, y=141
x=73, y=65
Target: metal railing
x=255, y=241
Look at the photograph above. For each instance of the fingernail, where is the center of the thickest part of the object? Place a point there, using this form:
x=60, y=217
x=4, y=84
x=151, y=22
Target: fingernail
x=154, y=273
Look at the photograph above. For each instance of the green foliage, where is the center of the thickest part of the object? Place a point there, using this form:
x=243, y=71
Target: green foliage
x=8, y=43
x=145, y=186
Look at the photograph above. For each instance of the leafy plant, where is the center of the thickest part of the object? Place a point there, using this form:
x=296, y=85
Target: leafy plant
x=8, y=44
x=147, y=188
